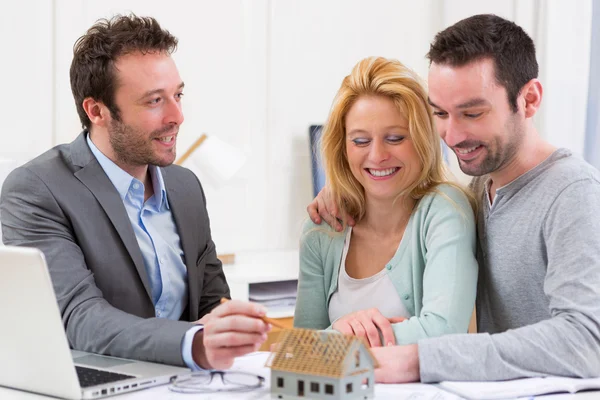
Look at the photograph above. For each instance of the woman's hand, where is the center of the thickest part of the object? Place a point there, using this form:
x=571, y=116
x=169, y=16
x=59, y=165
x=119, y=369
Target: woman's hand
x=367, y=324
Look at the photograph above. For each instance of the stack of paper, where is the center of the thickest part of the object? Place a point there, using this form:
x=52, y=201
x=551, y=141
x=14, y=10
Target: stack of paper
x=276, y=296
x=519, y=387
x=412, y=391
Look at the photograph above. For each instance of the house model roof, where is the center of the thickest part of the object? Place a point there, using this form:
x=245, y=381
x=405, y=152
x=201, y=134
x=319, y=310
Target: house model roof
x=306, y=351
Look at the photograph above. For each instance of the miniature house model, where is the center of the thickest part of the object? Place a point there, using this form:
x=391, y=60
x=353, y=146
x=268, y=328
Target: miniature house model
x=321, y=365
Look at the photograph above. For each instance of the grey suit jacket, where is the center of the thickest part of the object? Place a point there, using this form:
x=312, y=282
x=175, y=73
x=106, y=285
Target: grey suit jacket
x=63, y=203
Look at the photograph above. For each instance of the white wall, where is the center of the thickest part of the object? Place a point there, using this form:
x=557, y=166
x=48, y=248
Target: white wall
x=259, y=72
x=561, y=30
x=313, y=44
x=222, y=60
x=26, y=106
x=566, y=72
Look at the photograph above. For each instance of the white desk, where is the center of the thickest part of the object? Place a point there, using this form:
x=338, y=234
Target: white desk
x=261, y=267
x=255, y=363
x=273, y=266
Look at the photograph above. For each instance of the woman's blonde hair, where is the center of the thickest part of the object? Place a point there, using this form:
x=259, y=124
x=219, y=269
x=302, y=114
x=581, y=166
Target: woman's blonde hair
x=378, y=76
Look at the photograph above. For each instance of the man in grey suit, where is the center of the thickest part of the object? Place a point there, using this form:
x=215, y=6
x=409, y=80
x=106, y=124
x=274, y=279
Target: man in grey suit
x=126, y=234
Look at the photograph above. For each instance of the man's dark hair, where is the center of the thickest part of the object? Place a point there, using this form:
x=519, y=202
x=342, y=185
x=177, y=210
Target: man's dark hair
x=489, y=36
x=95, y=53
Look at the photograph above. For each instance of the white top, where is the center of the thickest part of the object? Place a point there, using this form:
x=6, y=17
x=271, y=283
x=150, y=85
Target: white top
x=376, y=291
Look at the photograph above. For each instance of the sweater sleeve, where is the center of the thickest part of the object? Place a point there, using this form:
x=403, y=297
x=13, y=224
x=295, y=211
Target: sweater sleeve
x=311, y=303
x=450, y=274
x=568, y=343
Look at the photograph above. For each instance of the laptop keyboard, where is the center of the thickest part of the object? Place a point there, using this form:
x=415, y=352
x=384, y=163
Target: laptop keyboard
x=92, y=377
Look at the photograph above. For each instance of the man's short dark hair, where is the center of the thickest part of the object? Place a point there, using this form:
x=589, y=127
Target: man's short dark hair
x=489, y=36
x=95, y=53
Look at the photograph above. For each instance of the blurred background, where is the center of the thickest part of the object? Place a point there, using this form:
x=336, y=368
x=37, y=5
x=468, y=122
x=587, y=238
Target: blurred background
x=259, y=73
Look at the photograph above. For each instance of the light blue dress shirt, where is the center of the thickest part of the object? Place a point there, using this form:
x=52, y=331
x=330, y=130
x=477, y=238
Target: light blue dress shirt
x=159, y=242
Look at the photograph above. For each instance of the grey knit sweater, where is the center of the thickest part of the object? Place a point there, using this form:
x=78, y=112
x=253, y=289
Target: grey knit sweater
x=538, y=300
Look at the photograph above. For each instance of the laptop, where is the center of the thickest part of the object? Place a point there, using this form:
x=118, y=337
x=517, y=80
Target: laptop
x=34, y=352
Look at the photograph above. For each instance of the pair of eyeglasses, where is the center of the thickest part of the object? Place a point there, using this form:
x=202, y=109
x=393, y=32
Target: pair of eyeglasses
x=204, y=382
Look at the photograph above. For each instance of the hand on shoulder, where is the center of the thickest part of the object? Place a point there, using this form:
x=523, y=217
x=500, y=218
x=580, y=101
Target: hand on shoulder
x=324, y=208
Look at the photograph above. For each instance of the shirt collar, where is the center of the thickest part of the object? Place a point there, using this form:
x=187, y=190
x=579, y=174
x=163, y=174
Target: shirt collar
x=159, y=183
x=122, y=181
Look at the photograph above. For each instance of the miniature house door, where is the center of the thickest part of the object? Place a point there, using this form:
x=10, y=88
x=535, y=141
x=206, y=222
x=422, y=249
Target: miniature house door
x=301, y=388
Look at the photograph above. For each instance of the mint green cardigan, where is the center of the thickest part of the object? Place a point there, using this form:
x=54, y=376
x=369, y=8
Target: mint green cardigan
x=434, y=269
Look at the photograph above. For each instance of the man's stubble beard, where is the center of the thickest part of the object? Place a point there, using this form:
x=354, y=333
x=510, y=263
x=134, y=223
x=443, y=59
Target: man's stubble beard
x=504, y=151
x=134, y=148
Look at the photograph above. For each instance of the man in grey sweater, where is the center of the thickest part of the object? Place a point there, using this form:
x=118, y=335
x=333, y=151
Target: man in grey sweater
x=538, y=301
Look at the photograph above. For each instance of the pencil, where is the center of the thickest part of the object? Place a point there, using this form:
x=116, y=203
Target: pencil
x=266, y=319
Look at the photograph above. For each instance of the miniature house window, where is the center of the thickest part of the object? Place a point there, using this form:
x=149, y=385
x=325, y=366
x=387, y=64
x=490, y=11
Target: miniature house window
x=314, y=387
x=365, y=384
x=357, y=358
x=279, y=382
x=348, y=388
x=328, y=389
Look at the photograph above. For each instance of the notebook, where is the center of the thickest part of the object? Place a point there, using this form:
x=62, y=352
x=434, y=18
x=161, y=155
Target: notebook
x=520, y=387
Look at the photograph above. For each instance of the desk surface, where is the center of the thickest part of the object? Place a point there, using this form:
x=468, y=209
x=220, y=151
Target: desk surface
x=255, y=363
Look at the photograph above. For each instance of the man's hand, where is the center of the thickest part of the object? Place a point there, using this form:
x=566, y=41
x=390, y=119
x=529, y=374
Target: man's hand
x=367, y=324
x=204, y=320
x=230, y=330
x=397, y=364
x=324, y=207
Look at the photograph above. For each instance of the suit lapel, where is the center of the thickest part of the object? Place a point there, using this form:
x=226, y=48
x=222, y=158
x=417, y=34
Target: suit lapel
x=179, y=203
x=94, y=178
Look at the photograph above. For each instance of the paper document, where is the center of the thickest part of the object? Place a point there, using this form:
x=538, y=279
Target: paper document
x=519, y=387
x=278, y=290
x=255, y=363
x=412, y=391
x=279, y=297
x=278, y=303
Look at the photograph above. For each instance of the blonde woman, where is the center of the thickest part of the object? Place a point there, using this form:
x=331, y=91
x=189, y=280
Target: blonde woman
x=406, y=270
